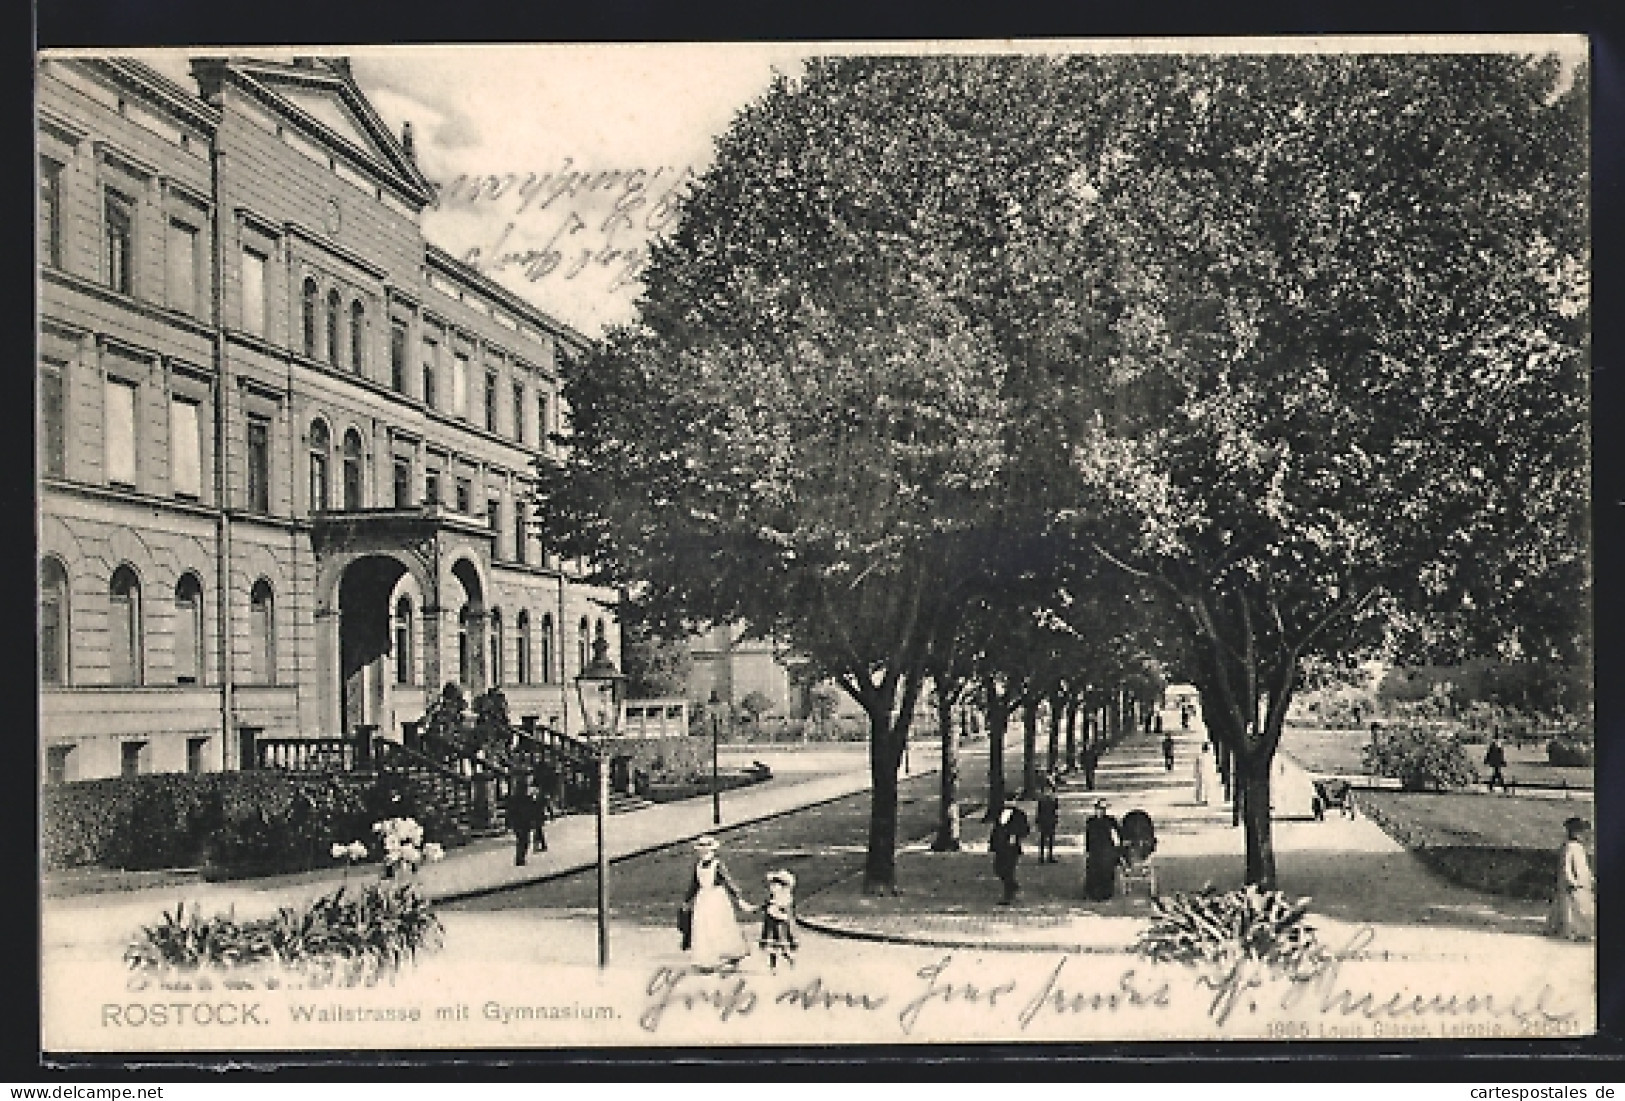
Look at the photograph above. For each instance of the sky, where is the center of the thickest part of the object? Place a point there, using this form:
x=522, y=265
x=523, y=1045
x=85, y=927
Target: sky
x=559, y=163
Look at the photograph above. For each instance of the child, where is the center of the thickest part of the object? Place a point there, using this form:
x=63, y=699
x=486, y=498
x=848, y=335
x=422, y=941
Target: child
x=779, y=919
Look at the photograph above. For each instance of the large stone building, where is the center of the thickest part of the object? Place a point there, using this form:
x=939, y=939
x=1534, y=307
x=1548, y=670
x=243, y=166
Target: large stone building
x=285, y=444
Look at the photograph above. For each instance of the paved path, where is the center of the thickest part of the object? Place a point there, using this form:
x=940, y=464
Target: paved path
x=1355, y=874
x=801, y=779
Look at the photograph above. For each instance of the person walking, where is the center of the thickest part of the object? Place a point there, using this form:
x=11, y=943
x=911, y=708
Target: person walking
x=1495, y=758
x=1091, y=759
x=547, y=788
x=1005, y=844
x=1102, y=838
x=713, y=939
x=1201, y=760
x=1574, y=905
x=1184, y=716
x=522, y=818
x=1168, y=751
x=1049, y=820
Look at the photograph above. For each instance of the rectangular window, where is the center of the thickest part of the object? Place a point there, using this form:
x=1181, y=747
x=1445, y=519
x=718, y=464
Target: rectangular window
x=185, y=448
x=53, y=423
x=132, y=758
x=490, y=401
x=186, y=638
x=59, y=764
x=397, y=357
x=119, y=217
x=259, y=464
x=493, y=517
x=459, y=386
x=431, y=487
x=465, y=496
x=403, y=482
x=50, y=213
x=519, y=411
x=519, y=532
x=181, y=259
x=542, y=426
x=119, y=438
x=253, y=292
x=430, y=353
x=196, y=748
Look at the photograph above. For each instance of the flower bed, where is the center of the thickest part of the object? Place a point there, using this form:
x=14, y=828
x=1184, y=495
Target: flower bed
x=671, y=791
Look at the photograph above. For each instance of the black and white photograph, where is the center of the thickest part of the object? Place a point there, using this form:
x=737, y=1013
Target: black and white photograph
x=605, y=546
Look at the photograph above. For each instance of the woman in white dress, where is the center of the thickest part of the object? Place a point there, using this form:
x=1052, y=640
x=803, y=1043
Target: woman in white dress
x=714, y=937
x=1574, y=906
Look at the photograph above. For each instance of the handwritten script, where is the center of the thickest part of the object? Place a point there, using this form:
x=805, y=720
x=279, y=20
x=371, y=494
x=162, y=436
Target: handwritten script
x=568, y=221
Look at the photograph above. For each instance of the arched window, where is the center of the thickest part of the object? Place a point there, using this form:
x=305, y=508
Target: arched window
x=124, y=627
x=335, y=311
x=189, y=630
x=494, y=626
x=262, y=634
x=403, y=641
x=321, y=443
x=465, y=672
x=547, y=649
x=53, y=622
x=582, y=635
x=521, y=628
x=308, y=316
x=358, y=334
x=352, y=469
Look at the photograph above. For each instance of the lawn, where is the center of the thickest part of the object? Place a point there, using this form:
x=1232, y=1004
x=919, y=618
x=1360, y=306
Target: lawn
x=1498, y=844
x=1324, y=751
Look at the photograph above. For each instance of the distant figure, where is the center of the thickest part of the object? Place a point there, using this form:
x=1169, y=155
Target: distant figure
x=1495, y=758
x=1184, y=716
x=1049, y=820
x=1574, y=906
x=1005, y=844
x=1168, y=751
x=1201, y=776
x=1101, y=839
x=1091, y=758
x=1156, y=722
x=778, y=937
x=522, y=819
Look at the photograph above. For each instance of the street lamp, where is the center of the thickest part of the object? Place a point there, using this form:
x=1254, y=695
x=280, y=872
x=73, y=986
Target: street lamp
x=716, y=789
x=599, y=689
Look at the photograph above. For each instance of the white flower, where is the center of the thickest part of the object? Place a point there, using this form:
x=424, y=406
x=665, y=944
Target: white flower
x=340, y=851
x=357, y=851
x=410, y=854
x=433, y=852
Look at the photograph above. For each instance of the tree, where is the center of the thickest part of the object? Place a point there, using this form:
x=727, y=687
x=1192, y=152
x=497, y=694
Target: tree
x=655, y=667
x=1350, y=389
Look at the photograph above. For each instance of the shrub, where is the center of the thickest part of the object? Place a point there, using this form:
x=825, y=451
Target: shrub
x=1213, y=928
x=348, y=936
x=1419, y=758
x=1569, y=754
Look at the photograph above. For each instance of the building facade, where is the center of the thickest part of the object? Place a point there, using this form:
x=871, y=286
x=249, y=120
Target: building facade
x=286, y=446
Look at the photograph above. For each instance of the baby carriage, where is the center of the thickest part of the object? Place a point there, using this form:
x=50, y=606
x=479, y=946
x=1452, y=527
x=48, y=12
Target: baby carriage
x=1139, y=836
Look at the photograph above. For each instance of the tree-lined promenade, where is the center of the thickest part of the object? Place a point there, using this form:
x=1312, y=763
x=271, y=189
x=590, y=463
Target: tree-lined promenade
x=1027, y=379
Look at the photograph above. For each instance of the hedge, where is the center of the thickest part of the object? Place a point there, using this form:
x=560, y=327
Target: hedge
x=1569, y=754
x=231, y=823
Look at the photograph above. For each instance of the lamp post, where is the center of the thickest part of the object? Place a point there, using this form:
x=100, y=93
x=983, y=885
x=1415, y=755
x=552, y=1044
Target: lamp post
x=602, y=685
x=716, y=789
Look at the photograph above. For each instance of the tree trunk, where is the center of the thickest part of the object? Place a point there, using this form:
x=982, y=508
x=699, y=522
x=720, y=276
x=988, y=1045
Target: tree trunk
x=1054, y=755
x=1254, y=777
x=947, y=839
x=998, y=722
x=1072, y=735
x=885, y=756
x=1029, y=750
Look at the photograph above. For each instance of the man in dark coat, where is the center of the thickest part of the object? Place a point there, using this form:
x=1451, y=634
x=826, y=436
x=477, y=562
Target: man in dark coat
x=1496, y=760
x=1101, y=840
x=522, y=818
x=1005, y=844
x=1091, y=758
x=1049, y=820
x=1168, y=752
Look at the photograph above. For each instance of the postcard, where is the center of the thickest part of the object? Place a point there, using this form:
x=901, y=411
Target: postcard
x=814, y=544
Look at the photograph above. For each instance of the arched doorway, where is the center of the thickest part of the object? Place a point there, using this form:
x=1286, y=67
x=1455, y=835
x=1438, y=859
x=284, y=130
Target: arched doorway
x=471, y=629
x=367, y=597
